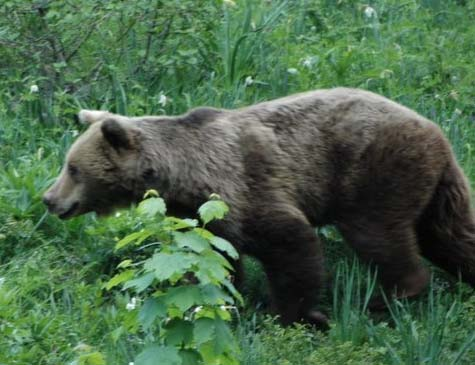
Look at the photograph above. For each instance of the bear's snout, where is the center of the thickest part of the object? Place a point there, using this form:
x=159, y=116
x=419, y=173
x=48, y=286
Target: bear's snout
x=48, y=201
x=63, y=197
x=63, y=210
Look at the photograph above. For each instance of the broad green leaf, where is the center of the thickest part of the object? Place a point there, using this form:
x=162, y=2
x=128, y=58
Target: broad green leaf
x=214, y=209
x=151, y=207
x=224, y=340
x=190, y=222
x=219, y=258
x=95, y=358
x=213, y=336
x=204, y=233
x=174, y=312
x=136, y=236
x=213, y=295
x=211, y=270
x=158, y=355
x=230, y=286
x=204, y=330
x=124, y=264
x=208, y=353
x=141, y=283
x=183, y=297
x=190, y=357
x=191, y=240
x=165, y=265
x=211, y=357
x=181, y=223
x=120, y=278
x=179, y=332
x=223, y=245
x=206, y=312
x=151, y=309
x=223, y=313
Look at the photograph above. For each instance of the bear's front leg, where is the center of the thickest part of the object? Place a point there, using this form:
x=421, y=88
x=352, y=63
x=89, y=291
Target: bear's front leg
x=291, y=254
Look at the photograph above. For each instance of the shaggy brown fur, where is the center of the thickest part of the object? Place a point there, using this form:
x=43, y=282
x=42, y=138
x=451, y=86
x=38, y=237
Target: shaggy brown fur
x=384, y=175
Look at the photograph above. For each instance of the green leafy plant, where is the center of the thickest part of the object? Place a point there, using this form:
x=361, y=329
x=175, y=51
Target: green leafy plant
x=185, y=289
x=87, y=356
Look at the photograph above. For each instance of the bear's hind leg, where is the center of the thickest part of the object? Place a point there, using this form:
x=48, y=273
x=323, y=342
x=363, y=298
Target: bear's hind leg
x=392, y=248
x=287, y=246
x=446, y=230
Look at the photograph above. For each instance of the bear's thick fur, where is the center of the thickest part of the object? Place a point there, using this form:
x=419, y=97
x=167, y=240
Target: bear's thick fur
x=382, y=174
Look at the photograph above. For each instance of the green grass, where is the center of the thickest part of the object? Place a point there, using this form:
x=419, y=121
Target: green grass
x=52, y=305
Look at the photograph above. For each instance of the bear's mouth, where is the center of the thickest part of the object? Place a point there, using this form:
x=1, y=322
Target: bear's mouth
x=70, y=211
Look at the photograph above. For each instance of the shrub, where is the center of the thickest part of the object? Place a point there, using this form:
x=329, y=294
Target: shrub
x=186, y=295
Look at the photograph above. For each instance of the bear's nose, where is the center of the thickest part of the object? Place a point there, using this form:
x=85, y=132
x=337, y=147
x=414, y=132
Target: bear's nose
x=48, y=201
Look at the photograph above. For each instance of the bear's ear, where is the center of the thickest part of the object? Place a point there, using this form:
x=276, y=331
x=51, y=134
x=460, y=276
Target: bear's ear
x=91, y=116
x=117, y=135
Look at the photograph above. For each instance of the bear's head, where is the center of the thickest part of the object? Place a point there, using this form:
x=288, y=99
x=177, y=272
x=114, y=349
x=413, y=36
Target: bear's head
x=101, y=167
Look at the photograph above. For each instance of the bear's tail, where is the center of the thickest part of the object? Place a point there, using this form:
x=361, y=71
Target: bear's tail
x=446, y=230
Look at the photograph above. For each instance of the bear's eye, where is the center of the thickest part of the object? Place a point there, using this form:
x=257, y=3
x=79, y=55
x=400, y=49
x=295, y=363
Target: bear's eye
x=72, y=170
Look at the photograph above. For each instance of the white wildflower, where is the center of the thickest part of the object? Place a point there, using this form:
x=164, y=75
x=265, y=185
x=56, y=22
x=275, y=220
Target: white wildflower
x=230, y=3
x=34, y=89
x=369, y=12
x=132, y=304
x=457, y=111
x=227, y=307
x=248, y=81
x=292, y=71
x=131, y=363
x=198, y=309
x=74, y=133
x=162, y=99
x=308, y=62
x=313, y=28
x=117, y=214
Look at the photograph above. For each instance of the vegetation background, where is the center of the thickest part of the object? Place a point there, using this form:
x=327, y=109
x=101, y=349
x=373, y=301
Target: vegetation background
x=164, y=57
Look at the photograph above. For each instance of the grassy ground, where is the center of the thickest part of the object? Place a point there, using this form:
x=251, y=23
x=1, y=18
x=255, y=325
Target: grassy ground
x=52, y=305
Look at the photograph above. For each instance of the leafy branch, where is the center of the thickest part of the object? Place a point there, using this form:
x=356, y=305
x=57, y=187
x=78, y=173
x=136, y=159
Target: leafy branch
x=185, y=287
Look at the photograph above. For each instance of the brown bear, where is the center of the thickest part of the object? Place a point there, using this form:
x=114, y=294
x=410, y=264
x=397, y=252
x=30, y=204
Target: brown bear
x=385, y=176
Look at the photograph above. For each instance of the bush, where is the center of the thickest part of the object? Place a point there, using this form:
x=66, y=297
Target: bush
x=184, y=287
